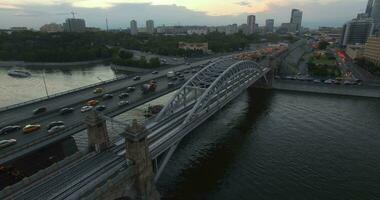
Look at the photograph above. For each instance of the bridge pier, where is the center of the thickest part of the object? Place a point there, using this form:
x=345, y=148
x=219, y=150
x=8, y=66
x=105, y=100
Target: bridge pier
x=98, y=139
x=138, y=152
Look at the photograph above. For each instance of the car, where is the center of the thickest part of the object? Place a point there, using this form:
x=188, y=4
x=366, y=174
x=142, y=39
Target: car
x=131, y=89
x=56, y=123
x=123, y=103
x=171, y=84
x=98, y=90
x=178, y=73
x=155, y=72
x=193, y=71
x=100, y=107
x=6, y=143
x=9, y=129
x=86, y=109
x=174, y=78
x=92, y=102
x=39, y=110
x=56, y=128
x=136, y=78
x=31, y=128
x=65, y=111
x=107, y=96
x=317, y=81
x=186, y=72
x=181, y=76
x=187, y=63
x=123, y=95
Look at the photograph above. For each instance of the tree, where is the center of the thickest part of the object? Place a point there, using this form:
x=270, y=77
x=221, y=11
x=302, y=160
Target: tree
x=323, y=45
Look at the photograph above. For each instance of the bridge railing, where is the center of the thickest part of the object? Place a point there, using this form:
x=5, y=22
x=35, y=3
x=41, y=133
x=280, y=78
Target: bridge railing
x=63, y=93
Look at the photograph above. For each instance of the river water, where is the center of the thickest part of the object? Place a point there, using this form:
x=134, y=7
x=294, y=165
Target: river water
x=263, y=145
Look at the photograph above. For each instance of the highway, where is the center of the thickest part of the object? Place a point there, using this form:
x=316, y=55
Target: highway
x=74, y=121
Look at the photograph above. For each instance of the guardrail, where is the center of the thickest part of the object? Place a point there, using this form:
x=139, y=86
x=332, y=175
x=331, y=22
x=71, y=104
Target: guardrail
x=63, y=93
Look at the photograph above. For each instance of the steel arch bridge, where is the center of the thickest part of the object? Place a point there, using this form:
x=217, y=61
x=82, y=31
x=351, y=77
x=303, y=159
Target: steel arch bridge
x=198, y=99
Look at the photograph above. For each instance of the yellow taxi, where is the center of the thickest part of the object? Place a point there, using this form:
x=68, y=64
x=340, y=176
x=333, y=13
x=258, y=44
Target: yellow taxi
x=31, y=128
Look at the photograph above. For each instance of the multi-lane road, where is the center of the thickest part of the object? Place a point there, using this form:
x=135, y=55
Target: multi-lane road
x=74, y=121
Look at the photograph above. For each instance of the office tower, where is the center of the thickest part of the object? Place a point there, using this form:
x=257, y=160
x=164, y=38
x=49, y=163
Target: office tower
x=133, y=28
x=150, y=26
x=357, y=31
x=269, y=25
x=251, y=22
x=369, y=7
x=296, y=18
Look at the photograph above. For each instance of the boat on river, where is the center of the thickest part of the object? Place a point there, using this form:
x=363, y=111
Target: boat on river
x=19, y=73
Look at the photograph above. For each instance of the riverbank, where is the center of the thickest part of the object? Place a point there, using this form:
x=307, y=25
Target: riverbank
x=51, y=64
x=348, y=90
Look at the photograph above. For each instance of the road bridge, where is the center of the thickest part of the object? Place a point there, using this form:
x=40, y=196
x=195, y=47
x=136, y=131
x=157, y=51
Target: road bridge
x=131, y=165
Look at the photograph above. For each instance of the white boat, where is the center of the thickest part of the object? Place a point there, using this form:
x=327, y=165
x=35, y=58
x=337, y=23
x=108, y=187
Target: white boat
x=19, y=73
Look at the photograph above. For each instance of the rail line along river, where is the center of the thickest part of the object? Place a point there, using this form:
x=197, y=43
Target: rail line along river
x=264, y=145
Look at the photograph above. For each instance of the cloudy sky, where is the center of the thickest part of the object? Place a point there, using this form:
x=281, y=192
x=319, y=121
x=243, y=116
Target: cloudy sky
x=34, y=13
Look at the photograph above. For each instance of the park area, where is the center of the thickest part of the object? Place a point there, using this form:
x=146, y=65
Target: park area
x=323, y=64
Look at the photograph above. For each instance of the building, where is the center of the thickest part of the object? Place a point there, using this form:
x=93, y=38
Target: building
x=368, y=10
x=172, y=30
x=251, y=22
x=150, y=26
x=373, y=10
x=74, y=25
x=202, y=30
x=269, y=25
x=296, y=18
x=372, y=50
x=288, y=28
x=193, y=46
x=244, y=29
x=133, y=28
x=355, y=51
x=18, y=28
x=51, y=28
x=357, y=31
x=232, y=29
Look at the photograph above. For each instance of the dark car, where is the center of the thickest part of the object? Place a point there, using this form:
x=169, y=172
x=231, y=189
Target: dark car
x=56, y=123
x=65, y=111
x=9, y=129
x=100, y=107
x=39, y=110
x=123, y=95
x=136, y=78
x=107, y=96
x=155, y=72
x=131, y=89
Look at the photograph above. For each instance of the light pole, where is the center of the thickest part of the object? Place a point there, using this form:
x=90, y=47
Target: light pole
x=43, y=78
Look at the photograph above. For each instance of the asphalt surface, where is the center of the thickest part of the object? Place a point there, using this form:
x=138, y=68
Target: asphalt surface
x=76, y=101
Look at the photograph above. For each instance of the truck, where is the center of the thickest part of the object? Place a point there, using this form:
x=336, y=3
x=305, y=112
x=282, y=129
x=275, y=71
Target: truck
x=149, y=87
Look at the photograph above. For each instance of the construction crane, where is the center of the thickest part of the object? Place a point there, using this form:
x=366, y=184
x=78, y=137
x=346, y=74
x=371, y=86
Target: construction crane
x=73, y=13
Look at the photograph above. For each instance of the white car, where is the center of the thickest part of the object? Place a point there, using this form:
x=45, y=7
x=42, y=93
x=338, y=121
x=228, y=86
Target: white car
x=6, y=143
x=122, y=103
x=56, y=128
x=86, y=108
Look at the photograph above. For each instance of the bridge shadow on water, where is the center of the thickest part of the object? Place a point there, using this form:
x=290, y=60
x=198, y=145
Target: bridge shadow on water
x=205, y=155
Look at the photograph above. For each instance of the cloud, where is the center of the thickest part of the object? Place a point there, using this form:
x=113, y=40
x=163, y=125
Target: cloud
x=244, y=3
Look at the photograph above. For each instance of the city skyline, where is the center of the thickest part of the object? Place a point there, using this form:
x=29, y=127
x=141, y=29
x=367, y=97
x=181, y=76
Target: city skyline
x=37, y=13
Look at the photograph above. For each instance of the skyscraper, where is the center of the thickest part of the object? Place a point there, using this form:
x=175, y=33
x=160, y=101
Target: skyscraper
x=296, y=18
x=369, y=8
x=269, y=25
x=133, y=27
x=375, y=11
x=251, y=22
x=357, y=31
x=150, y=26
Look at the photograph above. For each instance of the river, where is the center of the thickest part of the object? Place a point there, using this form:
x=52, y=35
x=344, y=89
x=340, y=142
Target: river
x=263, y=145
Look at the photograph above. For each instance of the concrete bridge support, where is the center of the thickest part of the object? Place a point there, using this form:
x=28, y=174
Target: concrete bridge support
x=138, y=152
x=97, y=132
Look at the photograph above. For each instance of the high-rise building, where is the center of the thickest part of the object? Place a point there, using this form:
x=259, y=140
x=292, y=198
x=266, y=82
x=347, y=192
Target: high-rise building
x=375, y=11
x=357, y=31
x=150, y=26
x=369, y=7
x=133, y=27
x=296, y=18
x=74, y=25
x=372, y=50
x=269, y=25
x=251, y=22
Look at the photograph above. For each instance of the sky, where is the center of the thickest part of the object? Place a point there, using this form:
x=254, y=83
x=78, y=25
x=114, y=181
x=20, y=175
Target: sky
x=35, y=13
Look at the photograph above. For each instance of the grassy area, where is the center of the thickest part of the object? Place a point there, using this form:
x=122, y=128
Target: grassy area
x=323, y=65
